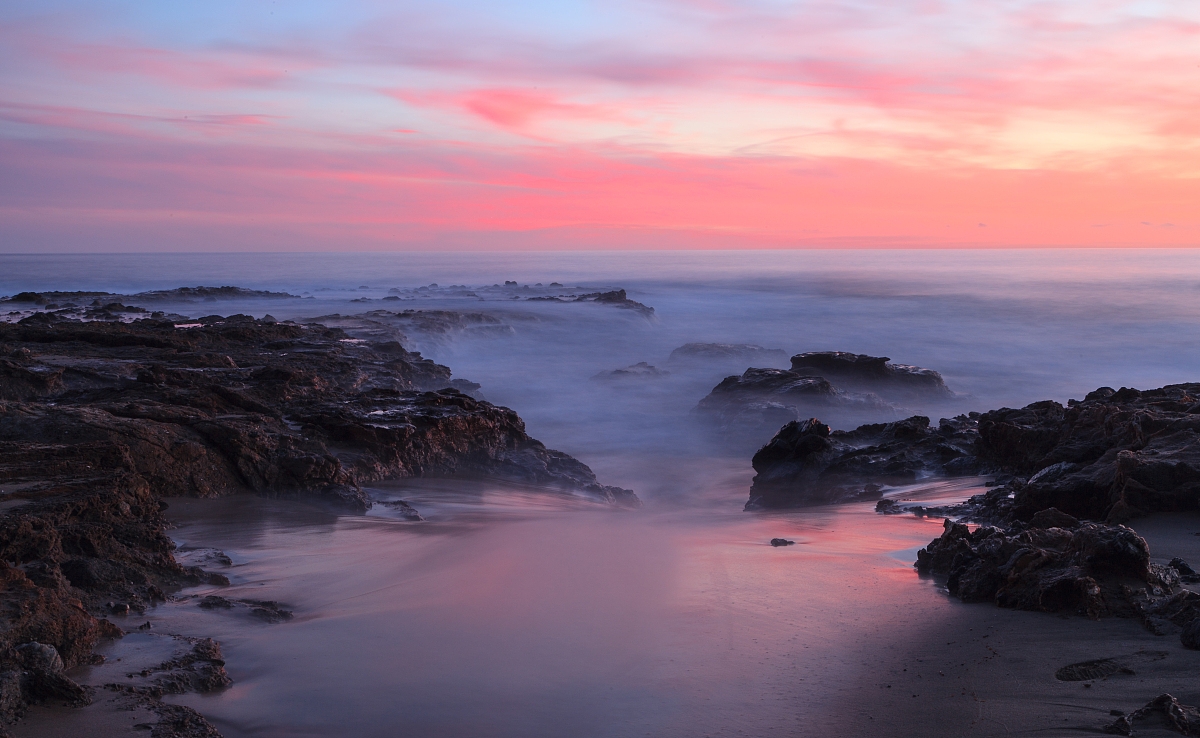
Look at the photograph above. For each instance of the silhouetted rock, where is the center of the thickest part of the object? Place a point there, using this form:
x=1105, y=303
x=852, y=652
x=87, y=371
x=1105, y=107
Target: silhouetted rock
x=1113, y=456
x=862, y=373
x=782, y=542
x=809, y=464
x=1088, y=570
x=765, y=399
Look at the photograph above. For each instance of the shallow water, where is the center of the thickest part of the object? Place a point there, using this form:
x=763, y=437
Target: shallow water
x=503, y=618
x=512, y=612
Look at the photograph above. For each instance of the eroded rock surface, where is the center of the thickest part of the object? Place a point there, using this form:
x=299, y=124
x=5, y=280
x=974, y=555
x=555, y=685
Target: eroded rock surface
x=843, y=388
x=806, y=463
x=762, y=399
x=863, y=373
x=1111, y=457
x=101, y=420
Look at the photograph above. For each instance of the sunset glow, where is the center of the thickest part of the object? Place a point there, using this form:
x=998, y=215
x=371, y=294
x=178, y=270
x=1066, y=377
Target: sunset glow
x=471, y=124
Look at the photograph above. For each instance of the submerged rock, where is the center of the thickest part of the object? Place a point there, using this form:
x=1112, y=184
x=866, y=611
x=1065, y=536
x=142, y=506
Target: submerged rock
x=640, y=370
x=747, y=354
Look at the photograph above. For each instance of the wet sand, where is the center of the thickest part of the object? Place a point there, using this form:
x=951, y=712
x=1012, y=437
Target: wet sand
x=509, y=614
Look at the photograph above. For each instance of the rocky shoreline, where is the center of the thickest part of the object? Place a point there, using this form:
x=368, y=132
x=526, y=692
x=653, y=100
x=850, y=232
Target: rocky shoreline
x=100, y=420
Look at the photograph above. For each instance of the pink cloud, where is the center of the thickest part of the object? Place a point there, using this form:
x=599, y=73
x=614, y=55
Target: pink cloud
x=514, y=110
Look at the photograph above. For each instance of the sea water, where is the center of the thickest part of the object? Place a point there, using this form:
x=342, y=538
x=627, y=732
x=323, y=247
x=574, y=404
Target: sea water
x=514, y=612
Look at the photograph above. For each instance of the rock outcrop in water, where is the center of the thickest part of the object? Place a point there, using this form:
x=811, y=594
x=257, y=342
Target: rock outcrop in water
x=101, y=420
x=615, y=298
x=862, y=373
x=841, y=387
x=638, y=371
x=747, y=354
x=765, y=399
x=806, y=463
x=1110, y=457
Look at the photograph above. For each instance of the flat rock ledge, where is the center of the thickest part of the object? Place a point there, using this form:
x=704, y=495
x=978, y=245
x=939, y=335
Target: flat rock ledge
x=99, y=421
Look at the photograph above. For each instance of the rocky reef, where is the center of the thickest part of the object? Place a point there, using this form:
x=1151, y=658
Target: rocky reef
x=99, y=421
x=1113, y=456
x=844, y=388
x=807, y=463
x=1068, y=477
x=615, y=298
x=862, y=373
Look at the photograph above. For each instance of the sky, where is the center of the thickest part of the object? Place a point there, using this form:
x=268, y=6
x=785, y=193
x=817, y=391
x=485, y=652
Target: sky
x=478, y=125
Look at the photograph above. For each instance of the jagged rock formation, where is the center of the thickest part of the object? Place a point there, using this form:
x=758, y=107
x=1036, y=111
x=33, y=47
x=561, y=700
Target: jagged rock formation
x=1090, y=568
x=1110, y=457
x=615, y=298
x=845, y=389
x=862, y=373
x=764, y=399
x=101, y=420
x=809, y=464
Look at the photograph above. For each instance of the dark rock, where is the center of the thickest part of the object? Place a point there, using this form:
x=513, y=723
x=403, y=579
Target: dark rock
x=746, y=354
x=782, y=542
x=268, y=611
x=31, y=297
x=99, y=421
x=43, y=676
x=808, y=464
x=764, y=399
x=1165, y=711
x=876, y=374
x=407, y=511
x=640, y=370
x=1095, y=569
x=1190, y=637
x=889, y=507
x=1052, y=518
x=215, y=602
x=1187, y=574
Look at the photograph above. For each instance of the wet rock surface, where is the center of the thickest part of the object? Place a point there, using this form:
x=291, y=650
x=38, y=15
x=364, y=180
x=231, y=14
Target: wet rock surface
x=1111, y=457
x=842, y=387
x=101, y=420
x=764, y=399
x=807, y=463
x=863, y=373
x=1092, y=569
